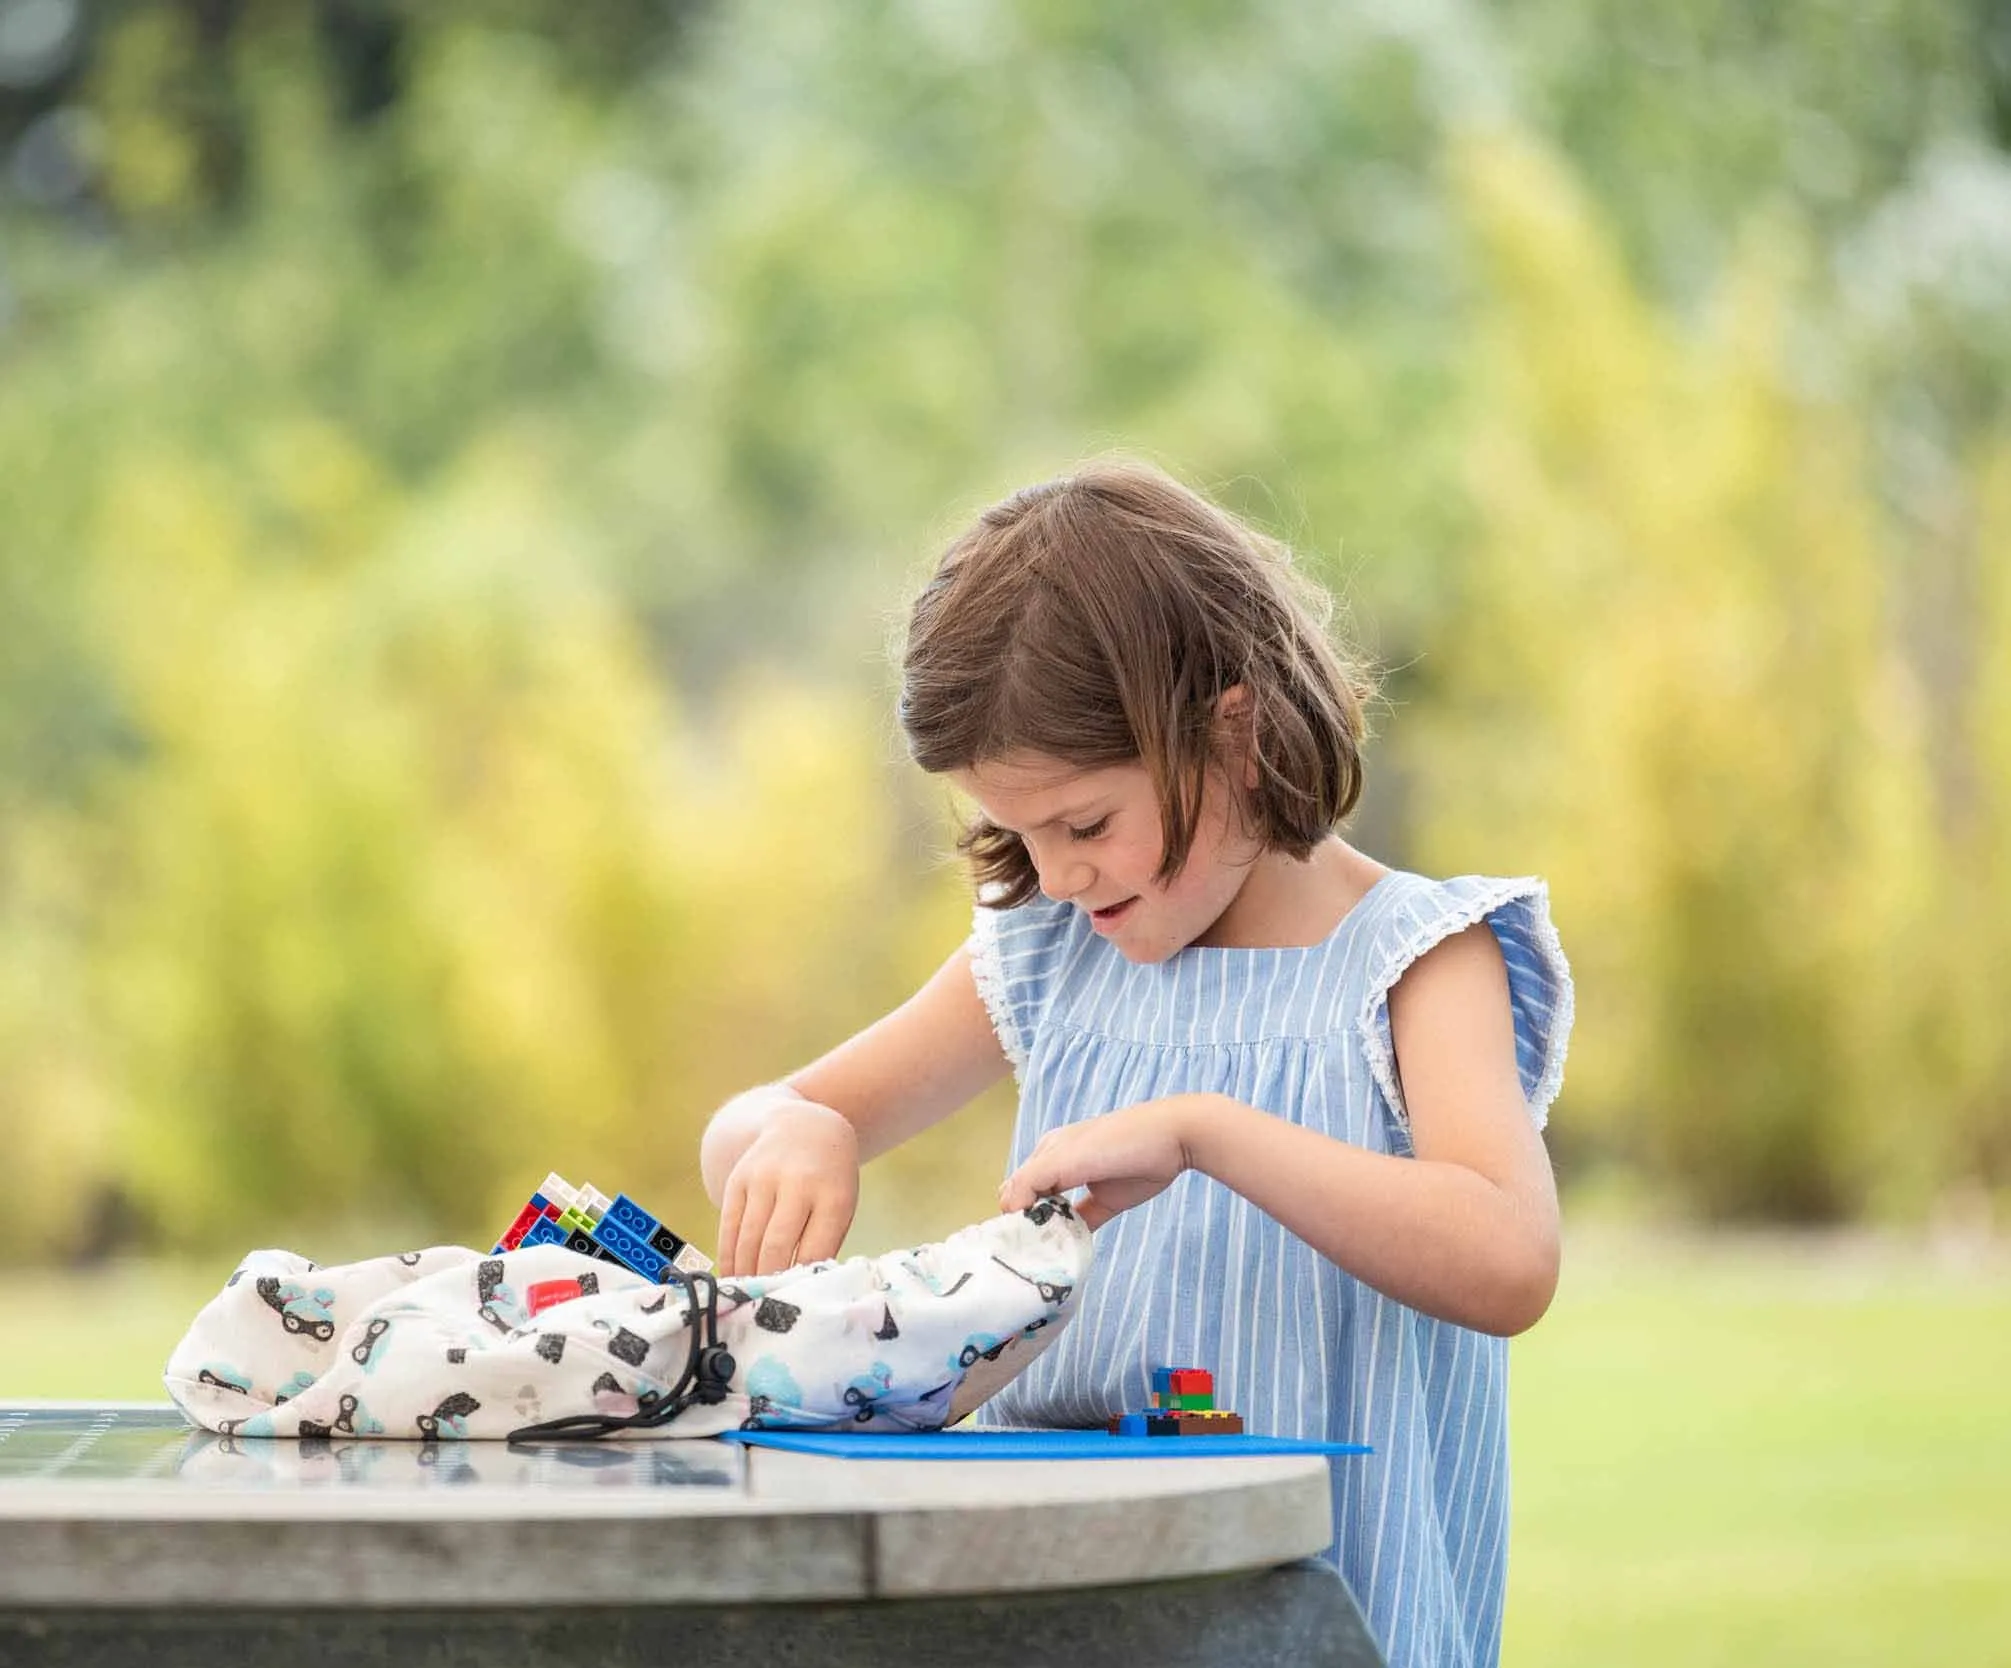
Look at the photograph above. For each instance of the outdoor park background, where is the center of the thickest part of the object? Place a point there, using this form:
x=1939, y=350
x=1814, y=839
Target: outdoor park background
x=460, y=467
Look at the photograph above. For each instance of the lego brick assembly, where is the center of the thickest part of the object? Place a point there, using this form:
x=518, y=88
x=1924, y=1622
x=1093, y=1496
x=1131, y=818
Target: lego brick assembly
x=616, y=1230
x=1183, y=1404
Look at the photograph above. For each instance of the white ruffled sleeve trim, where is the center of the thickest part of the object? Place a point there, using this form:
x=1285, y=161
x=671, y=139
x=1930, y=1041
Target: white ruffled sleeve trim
x=1539, y=983
x=988, y=970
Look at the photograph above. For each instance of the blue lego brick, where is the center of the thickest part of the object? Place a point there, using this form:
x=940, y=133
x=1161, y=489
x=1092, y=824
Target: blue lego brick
x=630, y=1217
x=544, y=1231
x=1128, y=1424
x=541, y=1202
x=1162, y=1382
x=622, y=1249
x=635, y=1252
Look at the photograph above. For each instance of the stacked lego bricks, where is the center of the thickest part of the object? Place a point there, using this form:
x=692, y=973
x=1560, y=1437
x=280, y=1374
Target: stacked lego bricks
x=616, y=1230
x=1183, y=1404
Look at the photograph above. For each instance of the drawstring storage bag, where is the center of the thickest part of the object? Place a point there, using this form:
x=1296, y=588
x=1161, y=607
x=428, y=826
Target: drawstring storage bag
x=440, y=1344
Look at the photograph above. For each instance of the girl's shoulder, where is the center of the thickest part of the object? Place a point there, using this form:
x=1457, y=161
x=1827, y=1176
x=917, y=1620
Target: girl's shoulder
x=1405, y=914
x=1408, y=914
x=1018, y=958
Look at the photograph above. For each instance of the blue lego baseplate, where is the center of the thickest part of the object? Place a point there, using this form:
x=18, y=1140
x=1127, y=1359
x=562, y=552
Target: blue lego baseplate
x=1029, y=1445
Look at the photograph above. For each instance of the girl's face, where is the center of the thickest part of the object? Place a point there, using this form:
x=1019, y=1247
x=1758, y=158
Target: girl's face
x=1094, y=839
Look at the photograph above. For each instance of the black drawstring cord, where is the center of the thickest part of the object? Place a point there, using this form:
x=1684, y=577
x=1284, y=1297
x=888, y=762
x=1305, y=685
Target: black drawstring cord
x=708, y=1369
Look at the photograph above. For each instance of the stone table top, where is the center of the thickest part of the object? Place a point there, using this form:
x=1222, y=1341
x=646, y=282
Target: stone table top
x=127, y=1505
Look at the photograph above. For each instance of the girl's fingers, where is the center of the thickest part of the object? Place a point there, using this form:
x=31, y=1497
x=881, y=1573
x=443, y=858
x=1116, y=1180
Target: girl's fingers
x=759, y=1206
x=731, y=1210
x=786, y=1222
x=1042, y=1173
x=823, y=1234
x=1042, y=1151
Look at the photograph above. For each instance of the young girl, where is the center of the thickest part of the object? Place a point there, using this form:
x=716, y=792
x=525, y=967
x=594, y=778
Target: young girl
x=1302, y=1090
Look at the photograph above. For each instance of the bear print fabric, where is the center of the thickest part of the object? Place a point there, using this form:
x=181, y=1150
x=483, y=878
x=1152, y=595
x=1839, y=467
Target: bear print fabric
x=437, y=1344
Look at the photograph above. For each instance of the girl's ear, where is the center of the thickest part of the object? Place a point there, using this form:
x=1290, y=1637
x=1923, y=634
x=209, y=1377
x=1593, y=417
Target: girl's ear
x=1234, y=711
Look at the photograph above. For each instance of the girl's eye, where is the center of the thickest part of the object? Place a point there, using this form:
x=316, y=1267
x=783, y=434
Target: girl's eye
x=1091, y=832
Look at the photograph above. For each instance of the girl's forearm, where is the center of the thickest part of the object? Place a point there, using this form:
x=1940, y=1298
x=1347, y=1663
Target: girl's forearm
x=1439, y=1237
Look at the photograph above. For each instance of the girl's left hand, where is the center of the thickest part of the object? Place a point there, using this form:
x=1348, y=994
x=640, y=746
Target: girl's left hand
x=1123, y=1158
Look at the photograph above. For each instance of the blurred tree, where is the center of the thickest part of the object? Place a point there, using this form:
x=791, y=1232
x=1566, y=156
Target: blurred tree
x=428, y=434
x=1678, y=684
x=418, y=887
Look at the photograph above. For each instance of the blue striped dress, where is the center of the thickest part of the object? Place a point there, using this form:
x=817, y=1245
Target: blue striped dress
x=1200, y=1277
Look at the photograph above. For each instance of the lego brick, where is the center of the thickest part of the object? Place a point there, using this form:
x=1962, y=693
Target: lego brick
x=1162, y=1382
x=1177, y=1403
x=540, y=1295
x=1127, y=1424
x=542, y=1232
x=578, y=1239
x=664, y=1243
x=517, y=1229
x=691, y=1260
x=631, y=1218
x=556, y=1187
x=593, y=1202
x=1191, y=1381
x=634, y=1253
x=1194, y=1424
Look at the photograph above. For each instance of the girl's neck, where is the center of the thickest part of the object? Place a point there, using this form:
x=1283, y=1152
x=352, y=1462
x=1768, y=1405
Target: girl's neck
x=1285, y=903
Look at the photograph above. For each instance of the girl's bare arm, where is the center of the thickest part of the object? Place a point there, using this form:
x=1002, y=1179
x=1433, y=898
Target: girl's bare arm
x=1466, y=1230
x=782, y=1160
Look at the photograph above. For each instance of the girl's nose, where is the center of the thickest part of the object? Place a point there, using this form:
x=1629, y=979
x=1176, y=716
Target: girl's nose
x=1062, y=876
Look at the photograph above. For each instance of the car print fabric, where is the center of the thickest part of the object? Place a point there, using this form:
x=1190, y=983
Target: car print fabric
x=437, y=1344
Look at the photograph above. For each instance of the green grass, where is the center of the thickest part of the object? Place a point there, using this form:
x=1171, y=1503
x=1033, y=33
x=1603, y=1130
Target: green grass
x=1726, y=1451
x=105, y=1334
x=1741, y=1452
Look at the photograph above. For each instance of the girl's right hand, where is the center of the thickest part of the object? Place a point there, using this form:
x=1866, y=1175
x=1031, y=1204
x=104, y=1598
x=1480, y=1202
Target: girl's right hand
x=791, y=1196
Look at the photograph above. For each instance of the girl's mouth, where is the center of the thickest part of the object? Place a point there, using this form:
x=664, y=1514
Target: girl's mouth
x=1104, y=919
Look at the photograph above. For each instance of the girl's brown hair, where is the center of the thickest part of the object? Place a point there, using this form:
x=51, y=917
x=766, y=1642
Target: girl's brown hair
x=1096, y=619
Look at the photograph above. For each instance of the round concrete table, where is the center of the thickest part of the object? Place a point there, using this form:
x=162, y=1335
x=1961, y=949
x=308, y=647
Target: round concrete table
x=125, y=1533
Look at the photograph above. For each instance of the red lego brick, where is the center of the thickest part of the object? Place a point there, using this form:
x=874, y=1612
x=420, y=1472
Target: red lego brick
x=540, y=1295
x=520, y=1227
x=1191, y=1381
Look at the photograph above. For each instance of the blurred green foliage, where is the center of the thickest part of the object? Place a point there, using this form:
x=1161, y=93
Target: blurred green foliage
x=457, y=466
